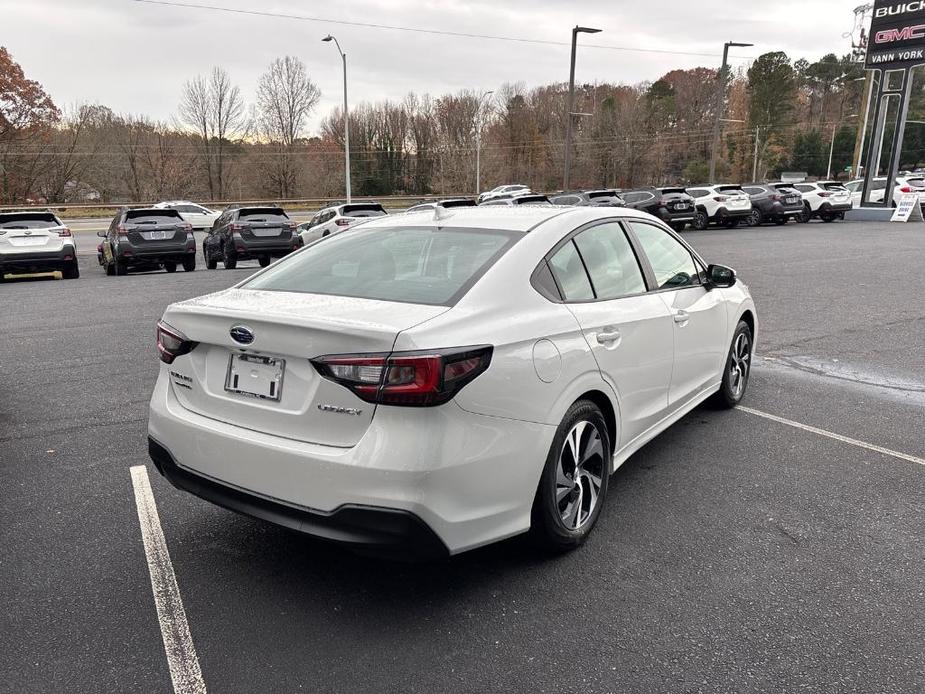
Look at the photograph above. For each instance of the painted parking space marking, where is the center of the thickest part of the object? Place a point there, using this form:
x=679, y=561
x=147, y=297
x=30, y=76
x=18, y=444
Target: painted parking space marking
x=836, y=437
x=178, y=642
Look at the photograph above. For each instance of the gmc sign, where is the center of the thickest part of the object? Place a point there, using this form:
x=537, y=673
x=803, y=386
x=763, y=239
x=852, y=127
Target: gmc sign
x=897, y=35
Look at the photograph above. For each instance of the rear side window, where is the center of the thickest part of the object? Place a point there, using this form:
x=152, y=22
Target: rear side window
x=754, y=191
x=570, y=274
x=369, y=210
x=404, y=264
x=567, y=200
x=610, y=261
x=152, y=216
x=698, y=192
x=28, y=220
x=263, y=214
x=671, y=262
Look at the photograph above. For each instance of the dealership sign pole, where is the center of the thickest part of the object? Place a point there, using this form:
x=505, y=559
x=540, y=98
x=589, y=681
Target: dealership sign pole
x=897, y=44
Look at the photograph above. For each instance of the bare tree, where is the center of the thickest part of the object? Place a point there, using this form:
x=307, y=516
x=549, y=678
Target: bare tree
x=286, y=96
x=212, y=106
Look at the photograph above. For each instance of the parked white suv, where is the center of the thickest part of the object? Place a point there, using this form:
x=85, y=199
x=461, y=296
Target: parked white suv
x=724, y=205
x=904, y=185
x=36, y=242
x=827, y=200
x=337, y=218
x=504, y=191
x=199, y=217
x=428, y=389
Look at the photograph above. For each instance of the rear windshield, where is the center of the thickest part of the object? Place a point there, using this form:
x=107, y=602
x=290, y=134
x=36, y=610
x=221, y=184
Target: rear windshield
x=532, y=200
x=728, y=189
x=152, y=216
x=833, y=186
x=790, y=190
x=28, y=220
x=673, y=191
x=404, y=264
x=449, y=204
x=916, y=182
x=263, y=214
x=368, y=210
x=602, y=194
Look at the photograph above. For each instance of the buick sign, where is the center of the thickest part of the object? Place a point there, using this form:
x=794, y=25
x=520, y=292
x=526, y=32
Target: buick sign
x=242, y=334
x=897, y=35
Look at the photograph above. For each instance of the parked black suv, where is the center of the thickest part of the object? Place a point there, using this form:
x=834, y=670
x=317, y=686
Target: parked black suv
x=672, y=205
x=588, y=198
x=147, y=239
x=773, y=203
x=245, y=233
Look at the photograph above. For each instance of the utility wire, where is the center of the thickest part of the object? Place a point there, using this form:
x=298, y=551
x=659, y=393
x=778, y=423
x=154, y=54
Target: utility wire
x=436, y=32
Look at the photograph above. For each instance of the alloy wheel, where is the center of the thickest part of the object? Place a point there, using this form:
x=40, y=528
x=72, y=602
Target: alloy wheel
x=579, y=473
x=739, y=362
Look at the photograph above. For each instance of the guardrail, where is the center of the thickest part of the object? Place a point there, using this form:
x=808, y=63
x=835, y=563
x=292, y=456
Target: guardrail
x=302, y=203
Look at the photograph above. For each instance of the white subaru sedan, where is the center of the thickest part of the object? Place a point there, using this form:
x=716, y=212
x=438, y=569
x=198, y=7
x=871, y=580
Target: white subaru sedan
x=436, y=381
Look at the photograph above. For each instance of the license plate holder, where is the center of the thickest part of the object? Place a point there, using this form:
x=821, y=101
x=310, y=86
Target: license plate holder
x=266, y=233
x=255, y=376
x=155, y=235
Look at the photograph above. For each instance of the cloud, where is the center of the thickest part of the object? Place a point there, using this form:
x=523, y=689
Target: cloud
x=135, y=57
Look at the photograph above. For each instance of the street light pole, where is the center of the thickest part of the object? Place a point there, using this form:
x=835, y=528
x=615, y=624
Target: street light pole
x=571, y=103
x=343, y=56
x=755, y=163
x=478, y=143
x=720, y=97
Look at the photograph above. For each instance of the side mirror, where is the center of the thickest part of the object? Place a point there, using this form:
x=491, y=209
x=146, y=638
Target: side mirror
x=101, y=233
x=721, y=276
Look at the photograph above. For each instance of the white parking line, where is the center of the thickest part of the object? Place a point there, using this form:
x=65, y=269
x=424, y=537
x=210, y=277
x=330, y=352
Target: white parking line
x=178, y=643
x=836, y=437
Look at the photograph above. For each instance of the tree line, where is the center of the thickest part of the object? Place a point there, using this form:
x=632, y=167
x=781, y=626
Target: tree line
x=779, y=114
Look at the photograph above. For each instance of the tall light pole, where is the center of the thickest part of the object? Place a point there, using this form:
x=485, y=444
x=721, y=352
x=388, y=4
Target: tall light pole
x=346, y=118
x=571, y=102
x=832, y=147
x=720, y=97
x=478, y=143
x=865, y=107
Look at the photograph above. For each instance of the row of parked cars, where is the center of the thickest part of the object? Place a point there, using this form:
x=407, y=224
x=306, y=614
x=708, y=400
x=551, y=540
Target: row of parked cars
x=162, y=236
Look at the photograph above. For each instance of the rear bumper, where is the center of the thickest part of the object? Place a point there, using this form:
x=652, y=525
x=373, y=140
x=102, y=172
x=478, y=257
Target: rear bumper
x=834, y=207
x=37, y=261
x=139, y=255
x=723, y=213
x=249, y=249
x=469, y=479
x=388, y=530
x=670, y=217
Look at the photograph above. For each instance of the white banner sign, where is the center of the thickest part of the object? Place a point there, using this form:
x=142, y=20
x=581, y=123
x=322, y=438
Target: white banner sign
x=908, y=209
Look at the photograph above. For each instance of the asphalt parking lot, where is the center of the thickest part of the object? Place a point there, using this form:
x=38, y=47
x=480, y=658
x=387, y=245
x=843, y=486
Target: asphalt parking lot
x=736, y=553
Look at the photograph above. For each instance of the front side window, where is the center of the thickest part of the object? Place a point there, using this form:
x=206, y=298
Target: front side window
x=570, y=274
x=671, y=262
x=610, y=261
x=404, y=264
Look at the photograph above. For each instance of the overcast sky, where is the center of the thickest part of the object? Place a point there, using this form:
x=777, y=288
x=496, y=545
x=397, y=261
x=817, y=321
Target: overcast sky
x=134, y=57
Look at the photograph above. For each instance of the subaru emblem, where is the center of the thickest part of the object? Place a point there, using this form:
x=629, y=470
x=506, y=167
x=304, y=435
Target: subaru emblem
x=242, y=334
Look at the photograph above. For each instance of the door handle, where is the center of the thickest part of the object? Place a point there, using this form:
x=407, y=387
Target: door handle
x=608, y=338
x=682, y=318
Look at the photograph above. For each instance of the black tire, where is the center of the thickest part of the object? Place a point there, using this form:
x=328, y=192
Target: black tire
x=110, y=269
x=229, y=258
x=828, y=217
x=189, y=263
x=120, y=267
x=755, y=218
x=557, y=524
x=780, y=221
x=170, y=267
x=731, y=223
x=71, y=271
x=738, y=361
x=211, y=263
x=807, y=214
x=264, y=260
x=701, y=221
x=679, y=226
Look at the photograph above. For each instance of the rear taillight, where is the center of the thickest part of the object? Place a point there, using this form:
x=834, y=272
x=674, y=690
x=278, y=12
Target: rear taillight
x=171, y=343
x=824, y=194
x=342, y=222
x=408, y=379
x=720, y=198
x=188, y=228
x=906, y=189
x=292, y=225
x=64, y=232
x=236, y=227
x=121, y=230
x=777, y=198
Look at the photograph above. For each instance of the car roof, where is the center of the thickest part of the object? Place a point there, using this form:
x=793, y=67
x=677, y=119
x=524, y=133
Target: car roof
x=511, y=218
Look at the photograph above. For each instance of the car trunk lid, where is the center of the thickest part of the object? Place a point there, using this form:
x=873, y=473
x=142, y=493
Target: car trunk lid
x=291, y=400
